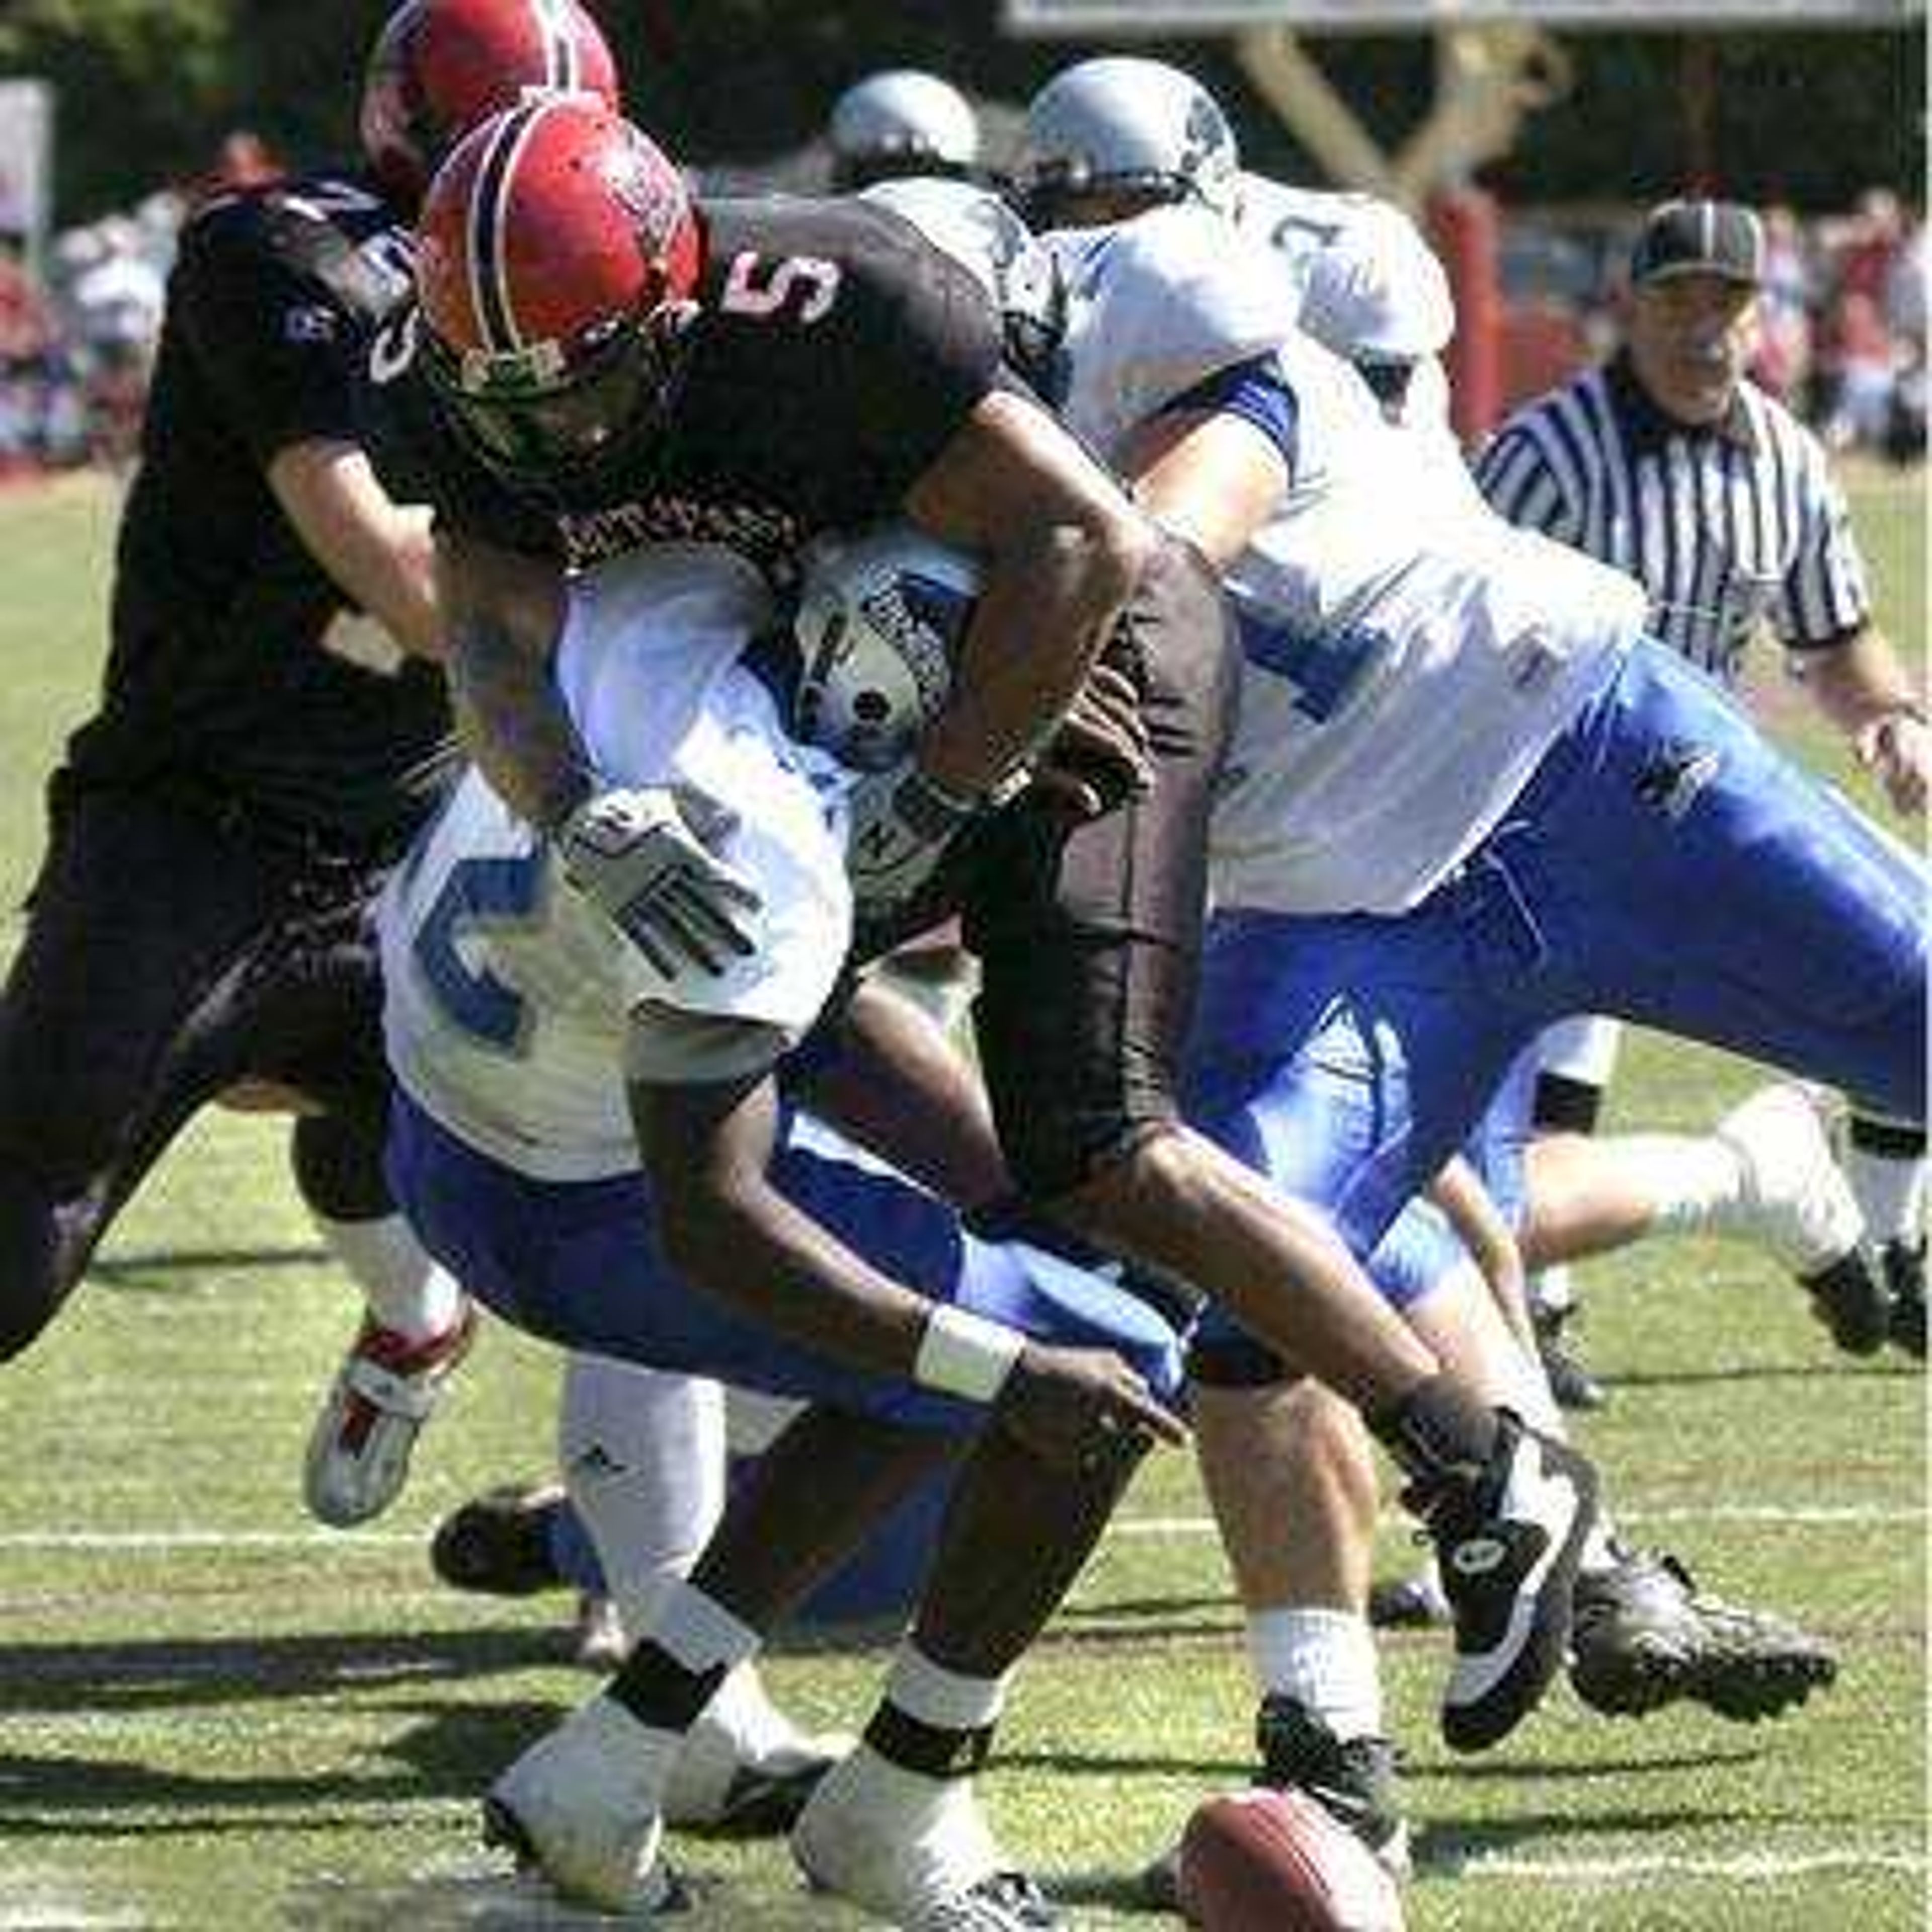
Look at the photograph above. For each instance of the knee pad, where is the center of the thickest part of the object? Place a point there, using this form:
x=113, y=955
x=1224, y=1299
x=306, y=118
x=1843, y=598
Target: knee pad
x=337, y=1163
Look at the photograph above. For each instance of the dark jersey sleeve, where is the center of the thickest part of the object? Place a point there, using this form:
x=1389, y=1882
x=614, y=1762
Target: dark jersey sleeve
x=275, y=344
x=923, y=343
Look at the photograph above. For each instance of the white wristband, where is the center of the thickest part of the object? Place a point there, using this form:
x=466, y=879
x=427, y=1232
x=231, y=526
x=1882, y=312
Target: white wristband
x=965, y=1355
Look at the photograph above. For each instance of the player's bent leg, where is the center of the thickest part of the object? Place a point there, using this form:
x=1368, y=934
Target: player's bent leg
x=897, y=1827
x=1291, y=1474
x=115, y=1024
x=1738, y=900
x=644, y=1456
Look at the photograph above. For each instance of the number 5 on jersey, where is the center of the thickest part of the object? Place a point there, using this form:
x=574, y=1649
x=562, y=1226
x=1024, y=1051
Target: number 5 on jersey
x=759, y=285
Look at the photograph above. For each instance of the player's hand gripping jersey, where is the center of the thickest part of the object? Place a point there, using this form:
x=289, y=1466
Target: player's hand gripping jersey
x=514, y=1008
x=1410, y=656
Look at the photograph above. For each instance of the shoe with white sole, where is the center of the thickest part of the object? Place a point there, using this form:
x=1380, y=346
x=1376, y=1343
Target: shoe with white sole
x=746, y=1769
x=581, y=1807
x=385, y=1390
x=1798, y=1202
x=1646, y=1636
x=914, y=1851
x=1508, y=1541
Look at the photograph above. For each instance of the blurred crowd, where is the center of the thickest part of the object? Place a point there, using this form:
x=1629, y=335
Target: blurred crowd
x=78, y=338
x=1844, y=322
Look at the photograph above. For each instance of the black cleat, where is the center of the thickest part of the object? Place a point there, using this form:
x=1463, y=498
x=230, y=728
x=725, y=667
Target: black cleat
x=1904, y=1263
x=1644, y=1636
x=1507, y=1543
x=1571, y=1384
x=1851, y=1298
x=1354, y=1782
x=1408, y=1602
x=499, y=1543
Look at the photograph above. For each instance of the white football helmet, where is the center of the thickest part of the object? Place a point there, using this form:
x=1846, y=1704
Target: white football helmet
x=878, y=625
x=1120, y=123
x=901, y=122
x=983, y=235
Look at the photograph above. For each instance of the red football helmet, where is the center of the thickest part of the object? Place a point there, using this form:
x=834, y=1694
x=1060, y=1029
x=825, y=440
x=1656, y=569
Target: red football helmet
x=441, y=66
x=558, y=255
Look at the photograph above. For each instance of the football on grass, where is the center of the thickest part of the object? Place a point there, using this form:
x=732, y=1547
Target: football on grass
x=1276, y=1862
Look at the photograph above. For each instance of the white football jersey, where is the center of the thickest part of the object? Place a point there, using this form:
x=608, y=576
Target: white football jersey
x=1371, y=288
x=1410, y=656
x=511, y=1002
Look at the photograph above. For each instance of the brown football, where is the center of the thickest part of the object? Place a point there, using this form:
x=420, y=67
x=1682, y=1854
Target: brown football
x=1276, y=1862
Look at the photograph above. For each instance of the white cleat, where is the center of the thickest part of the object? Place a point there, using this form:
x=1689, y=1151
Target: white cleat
x=915, y=1851
x=746, y=1767
x=580, y=1806
x=385, y=1390
x=1796, y=1199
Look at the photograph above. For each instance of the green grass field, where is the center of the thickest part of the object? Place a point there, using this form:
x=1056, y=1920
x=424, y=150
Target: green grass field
x=213, y=1715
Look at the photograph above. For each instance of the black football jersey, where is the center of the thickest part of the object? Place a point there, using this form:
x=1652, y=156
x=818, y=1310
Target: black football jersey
x=230, y=667
x=835, y=355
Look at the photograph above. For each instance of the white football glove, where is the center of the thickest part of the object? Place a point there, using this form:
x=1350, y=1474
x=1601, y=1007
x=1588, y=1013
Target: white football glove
x=901, y=824
x=638, y=857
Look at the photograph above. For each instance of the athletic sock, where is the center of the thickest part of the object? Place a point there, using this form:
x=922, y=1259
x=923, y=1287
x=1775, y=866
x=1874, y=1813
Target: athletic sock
x=1695, y=1183
x=933, y=1721
x=1886, y=1164
x=1325, y=1661
x=406, y=1292
x=691, y=1643
x=1552, y=1293
x=643, y=1453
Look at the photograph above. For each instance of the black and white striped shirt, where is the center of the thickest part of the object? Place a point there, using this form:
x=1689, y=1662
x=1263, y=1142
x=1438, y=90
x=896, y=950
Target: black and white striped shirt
x=1722, y=526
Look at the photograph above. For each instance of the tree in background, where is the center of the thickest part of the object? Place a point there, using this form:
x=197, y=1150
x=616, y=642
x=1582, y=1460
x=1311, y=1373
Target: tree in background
x=147, y=87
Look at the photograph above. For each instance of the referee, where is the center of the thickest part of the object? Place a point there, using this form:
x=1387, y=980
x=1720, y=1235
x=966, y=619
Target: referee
x=1668, y=462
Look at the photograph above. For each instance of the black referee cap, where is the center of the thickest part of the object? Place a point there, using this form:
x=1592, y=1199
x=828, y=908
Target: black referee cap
x=1700, y=237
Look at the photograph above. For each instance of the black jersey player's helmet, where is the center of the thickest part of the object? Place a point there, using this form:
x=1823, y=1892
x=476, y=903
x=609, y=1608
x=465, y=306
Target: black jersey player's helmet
x=557, y=262
x=439, y=67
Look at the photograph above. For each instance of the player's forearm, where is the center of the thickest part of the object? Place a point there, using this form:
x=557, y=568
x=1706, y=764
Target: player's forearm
x=1046, y=610
x=749, y=1248
x=504, y=614
x=1858, y=683
x=515, y=726
x=1212, y=481
x=380, y=552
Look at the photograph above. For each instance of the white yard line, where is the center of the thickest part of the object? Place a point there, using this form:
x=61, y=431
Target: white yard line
x=1798, y=1516
x=1152, y=1528
x=1647, y=1868
x=45, y=1902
